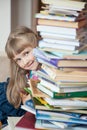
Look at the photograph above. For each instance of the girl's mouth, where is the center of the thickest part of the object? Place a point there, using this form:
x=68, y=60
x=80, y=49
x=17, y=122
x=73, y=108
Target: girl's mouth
x=29, y=64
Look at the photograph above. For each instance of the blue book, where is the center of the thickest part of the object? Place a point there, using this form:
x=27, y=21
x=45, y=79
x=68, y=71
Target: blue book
x=45, y=124
x=66, y=114
x=61, y=119
x=81, y=55
x=52, y=124
x=29, y=106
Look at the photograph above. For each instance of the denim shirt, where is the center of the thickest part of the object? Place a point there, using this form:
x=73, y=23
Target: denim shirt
x=6, y=109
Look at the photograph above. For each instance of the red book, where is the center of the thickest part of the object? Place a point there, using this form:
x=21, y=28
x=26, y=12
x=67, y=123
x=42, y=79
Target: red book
x=27, y=122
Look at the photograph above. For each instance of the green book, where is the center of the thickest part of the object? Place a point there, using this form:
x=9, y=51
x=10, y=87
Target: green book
x=42, y=91
x=57, y=95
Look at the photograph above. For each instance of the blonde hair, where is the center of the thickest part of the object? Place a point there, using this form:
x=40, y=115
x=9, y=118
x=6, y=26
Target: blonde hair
x=17, y=41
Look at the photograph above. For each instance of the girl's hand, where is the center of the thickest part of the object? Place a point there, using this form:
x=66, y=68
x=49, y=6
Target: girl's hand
x=25, y=97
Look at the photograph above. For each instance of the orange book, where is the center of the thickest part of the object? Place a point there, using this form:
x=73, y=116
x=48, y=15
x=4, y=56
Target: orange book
x=73, y=24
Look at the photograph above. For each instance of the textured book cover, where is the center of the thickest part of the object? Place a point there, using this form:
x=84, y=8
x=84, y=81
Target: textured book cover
x=61, y=23
x=69, y=4
x=27, y=122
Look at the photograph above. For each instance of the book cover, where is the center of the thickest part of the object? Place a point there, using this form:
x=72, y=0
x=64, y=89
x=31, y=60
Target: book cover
x=61, y=114
x=42, y=57
x=61, y=36
x=36, y=92
x=29, y=106
x=53, y=17
x=27, y=122
x=52, y=124
x=61, y=23
x=73, y=5
x=52, y=93
x=44, y=124
x=60, y=95
x=62, y=84
x=60, y=75
x=81, y=55
x=62, y=46
x=61, y=119
x=65, y=41
x=58, y=30
x=66, y=102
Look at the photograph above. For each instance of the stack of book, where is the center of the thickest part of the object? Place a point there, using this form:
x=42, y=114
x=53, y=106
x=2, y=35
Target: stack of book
x=64, y=110
x=63, y=29
x=59, y=89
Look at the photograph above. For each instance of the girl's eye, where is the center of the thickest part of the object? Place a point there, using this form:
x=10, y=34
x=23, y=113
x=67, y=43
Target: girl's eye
x=26, y=53
x=18, y=60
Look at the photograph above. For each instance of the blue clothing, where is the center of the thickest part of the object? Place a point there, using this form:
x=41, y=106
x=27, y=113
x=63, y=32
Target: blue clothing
x=6, y=109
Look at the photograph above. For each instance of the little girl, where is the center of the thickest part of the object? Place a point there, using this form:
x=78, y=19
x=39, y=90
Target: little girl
x=19, y=48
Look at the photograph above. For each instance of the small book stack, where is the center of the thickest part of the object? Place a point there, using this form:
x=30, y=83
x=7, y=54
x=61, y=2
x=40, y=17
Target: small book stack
x=59, y=89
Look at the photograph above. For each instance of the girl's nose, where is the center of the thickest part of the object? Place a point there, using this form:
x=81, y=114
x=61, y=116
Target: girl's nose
x=24, y=61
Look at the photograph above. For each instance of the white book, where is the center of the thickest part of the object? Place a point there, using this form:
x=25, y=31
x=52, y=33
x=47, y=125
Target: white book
x=43, y=44
x=43, y=16
x=49, y=85
x=57, y=89
x=66, y=4
x=61, y=36
x=45, y=90
x=28, y=109
x=66, y=102
x=57, y=30
x=62, y=41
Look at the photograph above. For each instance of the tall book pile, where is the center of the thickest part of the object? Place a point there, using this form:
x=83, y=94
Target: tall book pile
x=59, y=89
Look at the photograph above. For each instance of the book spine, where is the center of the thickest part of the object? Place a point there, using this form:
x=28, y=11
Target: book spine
x=61, y=119
x=69, y=95
x=57, y=30
x=42, y=58
x=61, y=23
x=57, y=95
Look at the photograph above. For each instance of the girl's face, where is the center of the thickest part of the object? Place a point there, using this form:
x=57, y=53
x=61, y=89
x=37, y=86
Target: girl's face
x=26, y=60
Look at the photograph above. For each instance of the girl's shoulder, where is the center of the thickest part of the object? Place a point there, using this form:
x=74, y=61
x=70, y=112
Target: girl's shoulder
x=3, y=86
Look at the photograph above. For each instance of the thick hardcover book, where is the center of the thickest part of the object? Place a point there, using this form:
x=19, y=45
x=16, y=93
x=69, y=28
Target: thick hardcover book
x=59, y=75
x=66, y=103
x=54, y=17
x=81, y=55
x=57, y=62
x=44, y=124
x=61, y=23
x=27, y=122
x=29, y=106
x=41, y=93
x=61, y=36
x=54, y=89
x=39, y=106
x=69, y=4
x=62, y=46
x=60, y=95
x=59, y=30
x=61, y=119
x=66, y=41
